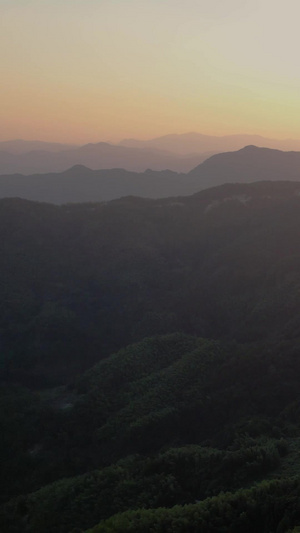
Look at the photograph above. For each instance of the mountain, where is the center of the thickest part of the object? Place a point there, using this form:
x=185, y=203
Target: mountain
x=149, y=364
x=188, y=143
x=248, y=164
x=111, y=273
x=81, y=184
x=96, y=156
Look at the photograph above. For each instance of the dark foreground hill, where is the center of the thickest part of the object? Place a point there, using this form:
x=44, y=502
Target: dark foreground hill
x=222, y=263
x=150, y=363
x=170, y=421
x=81, y=184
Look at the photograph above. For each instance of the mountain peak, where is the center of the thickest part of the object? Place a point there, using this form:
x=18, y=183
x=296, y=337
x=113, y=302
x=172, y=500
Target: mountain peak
x=250, y=147
x=77, y=169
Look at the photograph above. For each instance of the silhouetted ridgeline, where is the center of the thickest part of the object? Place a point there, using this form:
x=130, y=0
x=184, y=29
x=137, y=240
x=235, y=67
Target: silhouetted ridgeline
x=179, y=153
x=193, y=142
x=81, y=184
x=57, y=158
x=249, y=164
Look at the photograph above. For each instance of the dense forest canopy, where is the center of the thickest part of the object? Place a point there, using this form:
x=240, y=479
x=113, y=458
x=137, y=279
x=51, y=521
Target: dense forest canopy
x=150, y=363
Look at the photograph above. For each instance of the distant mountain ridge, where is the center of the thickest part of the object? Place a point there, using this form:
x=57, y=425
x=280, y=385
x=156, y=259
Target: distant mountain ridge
x=188, y=143
x=177, y=152
x=81, y=184
x=96, y=156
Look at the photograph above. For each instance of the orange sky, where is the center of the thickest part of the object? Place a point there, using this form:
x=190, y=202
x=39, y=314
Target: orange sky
x=91, y=70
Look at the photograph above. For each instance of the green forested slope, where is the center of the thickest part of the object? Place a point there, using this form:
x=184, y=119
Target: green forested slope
x=177, y=418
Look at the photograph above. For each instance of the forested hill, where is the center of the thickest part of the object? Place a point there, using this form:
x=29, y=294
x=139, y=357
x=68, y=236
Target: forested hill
x=223, y=263
x=150, y=363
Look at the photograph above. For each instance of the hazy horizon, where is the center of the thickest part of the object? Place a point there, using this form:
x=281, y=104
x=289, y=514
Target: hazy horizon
x=89, y=71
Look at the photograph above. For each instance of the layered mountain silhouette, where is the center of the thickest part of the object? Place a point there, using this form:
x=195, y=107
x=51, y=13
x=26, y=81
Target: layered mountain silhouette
x=180, y=153
x=95, y=156
x=81, y=184
x=188, y=143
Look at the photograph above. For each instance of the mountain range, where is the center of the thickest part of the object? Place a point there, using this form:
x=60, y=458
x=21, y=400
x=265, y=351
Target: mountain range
x=96, y=156
x=81, y=184
x=180, y=153
x=188, y=143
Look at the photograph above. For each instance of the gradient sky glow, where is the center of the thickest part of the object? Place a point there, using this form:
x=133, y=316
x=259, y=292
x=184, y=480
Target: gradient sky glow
x=91, y=70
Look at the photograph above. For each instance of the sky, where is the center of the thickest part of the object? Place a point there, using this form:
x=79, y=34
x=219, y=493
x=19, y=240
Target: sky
x=103, y=70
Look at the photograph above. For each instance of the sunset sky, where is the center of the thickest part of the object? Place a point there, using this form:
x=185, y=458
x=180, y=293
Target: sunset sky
x=92, y=70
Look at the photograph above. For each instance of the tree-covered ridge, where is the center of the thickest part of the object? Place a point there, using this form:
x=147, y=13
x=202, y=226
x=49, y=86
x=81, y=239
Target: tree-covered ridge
x=129, y=392
x=90, y=279
x=270, y=506
x=167, y=421
x=178, y=476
